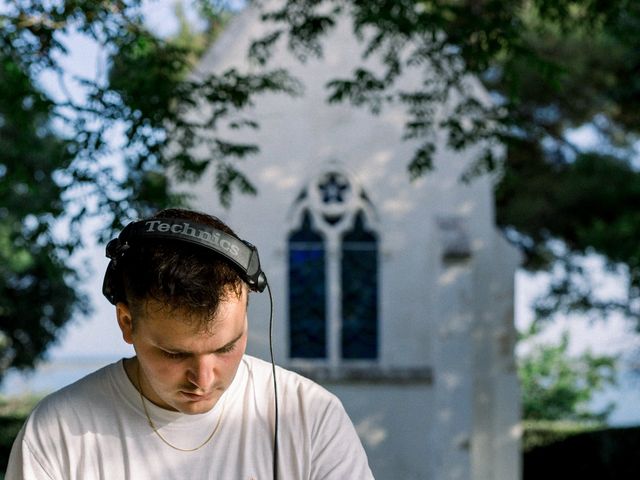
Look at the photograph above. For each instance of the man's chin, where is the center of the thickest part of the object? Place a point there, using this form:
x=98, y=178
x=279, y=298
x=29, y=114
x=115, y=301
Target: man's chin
x=195, y=409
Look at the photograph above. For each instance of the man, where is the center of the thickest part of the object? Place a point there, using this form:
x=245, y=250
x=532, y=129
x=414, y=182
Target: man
x=190, y=404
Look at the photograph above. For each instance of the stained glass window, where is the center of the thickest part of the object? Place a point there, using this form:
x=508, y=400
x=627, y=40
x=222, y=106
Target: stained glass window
x=333, y=298
x=359, y=277
x=307, y=293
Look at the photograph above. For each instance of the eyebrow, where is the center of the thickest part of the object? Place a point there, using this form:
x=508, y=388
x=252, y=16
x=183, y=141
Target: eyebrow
x=227, y=345
x=230, y=344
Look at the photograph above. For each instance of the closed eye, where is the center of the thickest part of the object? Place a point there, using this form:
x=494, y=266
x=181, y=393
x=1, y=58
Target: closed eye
x=227, y=348
x=174, y=355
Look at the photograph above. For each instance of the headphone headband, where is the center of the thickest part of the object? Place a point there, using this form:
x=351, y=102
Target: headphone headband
x=242, y=254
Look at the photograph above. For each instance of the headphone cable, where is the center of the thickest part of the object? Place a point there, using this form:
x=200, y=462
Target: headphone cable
x=275, y=387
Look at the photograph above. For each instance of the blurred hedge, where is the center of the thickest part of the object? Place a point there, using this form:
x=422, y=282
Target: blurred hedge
x=9, y=428
x=568, y=451
x=13, y=413
x=538, y=433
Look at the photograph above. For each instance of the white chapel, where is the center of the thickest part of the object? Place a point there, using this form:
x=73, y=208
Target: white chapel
x=396, y=295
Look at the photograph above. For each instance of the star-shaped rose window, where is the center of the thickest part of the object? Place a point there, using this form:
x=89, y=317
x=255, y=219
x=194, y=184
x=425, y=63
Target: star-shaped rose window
x=334, y=188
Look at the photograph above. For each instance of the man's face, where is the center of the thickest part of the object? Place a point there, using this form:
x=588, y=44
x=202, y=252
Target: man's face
x=182, y=366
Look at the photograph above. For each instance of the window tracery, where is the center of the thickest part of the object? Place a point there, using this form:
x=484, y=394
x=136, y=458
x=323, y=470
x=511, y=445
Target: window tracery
x=333, y=272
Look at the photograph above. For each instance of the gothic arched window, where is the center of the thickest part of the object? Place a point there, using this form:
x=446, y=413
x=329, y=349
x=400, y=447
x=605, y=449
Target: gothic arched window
x=307, y=292
x=333, y=272
x=359, y=274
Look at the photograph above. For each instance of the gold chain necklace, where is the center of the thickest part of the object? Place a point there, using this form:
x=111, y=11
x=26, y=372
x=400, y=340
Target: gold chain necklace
x=155, y=429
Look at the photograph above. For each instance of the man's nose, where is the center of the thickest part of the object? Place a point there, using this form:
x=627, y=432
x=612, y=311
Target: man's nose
x=202, y=371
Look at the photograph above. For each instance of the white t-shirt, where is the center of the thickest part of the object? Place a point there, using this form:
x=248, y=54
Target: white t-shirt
x=96, y=428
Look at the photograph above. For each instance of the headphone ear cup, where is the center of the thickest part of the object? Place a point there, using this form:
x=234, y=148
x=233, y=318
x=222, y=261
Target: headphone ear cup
x=112, y=284
x=261, y=283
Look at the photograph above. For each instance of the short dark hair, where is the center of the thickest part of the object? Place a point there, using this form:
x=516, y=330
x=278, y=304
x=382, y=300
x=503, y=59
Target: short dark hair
x=179, y=275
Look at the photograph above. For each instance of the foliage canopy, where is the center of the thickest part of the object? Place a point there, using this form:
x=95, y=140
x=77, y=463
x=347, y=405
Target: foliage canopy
x=558, y=386
x=551, y=67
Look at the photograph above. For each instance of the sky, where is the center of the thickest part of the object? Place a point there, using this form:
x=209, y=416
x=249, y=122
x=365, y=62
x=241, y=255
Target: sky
x=90, y=342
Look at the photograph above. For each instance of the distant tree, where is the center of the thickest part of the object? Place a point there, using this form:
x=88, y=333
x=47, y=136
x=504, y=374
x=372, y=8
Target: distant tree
x=57, y=148
x=37, y=286
x=550, y=67
x=558, y=386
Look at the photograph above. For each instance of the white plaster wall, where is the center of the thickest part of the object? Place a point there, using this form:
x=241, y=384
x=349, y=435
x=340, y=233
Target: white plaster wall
x=496, y=433
x=431, y=314
x=298, y=136
x=392, y=427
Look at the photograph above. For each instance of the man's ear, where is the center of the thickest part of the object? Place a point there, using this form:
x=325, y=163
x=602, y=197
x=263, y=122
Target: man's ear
x=125, y=322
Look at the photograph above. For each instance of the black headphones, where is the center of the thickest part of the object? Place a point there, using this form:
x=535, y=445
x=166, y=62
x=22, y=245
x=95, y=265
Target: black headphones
x=240, y=253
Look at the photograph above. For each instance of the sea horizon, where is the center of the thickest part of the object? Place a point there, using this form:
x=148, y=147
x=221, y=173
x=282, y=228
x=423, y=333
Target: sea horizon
x=51, y=375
